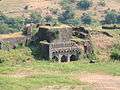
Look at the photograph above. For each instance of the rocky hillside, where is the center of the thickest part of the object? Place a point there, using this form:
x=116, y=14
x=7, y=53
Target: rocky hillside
x=24, y=7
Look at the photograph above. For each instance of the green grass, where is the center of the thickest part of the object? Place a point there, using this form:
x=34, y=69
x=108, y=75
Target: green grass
x=47, y=74
x=79, y=66
x=34, y=82
x=65, y=68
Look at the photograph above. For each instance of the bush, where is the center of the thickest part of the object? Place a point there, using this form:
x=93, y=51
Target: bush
x=35, y=17
x=92, y=57
x=68, y=14
x=111, y=17
x=84, y=4
x=118, y=18
x=115, y=54
x=67, y=17
x=1, y=60
x=5, y=29
x=86, y=19
x=16, y=56
x=65, y=2
x=10, y=25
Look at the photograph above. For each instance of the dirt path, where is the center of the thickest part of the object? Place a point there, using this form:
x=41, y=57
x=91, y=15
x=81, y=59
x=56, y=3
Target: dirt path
x=94, y=81
x=101, y=82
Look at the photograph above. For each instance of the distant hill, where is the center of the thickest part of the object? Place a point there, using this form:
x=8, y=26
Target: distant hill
x=24, y=7
x=17, y=7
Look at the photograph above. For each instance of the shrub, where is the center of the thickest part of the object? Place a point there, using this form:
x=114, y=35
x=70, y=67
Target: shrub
x=35, y=17
x=68, y=4
x=86, y=19
x=5, y=29
x=115, y=53
x=118, y=18
x=115, y=56
x=92, y=57
x=1, y=60
x=67, y=17
x=16, y=56
x=49, y=19
x=111, y=17
x=64, y=2
x=68, y=14
x=3, y=18
x=84, y=4
x=10, y=25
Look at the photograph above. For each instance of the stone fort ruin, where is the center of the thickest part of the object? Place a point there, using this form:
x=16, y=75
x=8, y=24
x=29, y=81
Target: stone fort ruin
x=13, y=40
x=55, y=42
x=58, y=47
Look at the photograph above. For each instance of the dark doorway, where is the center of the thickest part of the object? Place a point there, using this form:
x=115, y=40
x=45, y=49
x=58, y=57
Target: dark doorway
x=64, y=58
x=73, y=58
x=55, y=58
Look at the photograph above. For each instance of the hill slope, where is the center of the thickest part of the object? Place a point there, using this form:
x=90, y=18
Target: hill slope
x=17, y=7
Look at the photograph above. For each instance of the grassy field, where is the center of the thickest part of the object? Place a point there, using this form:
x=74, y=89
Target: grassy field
x=42, y=73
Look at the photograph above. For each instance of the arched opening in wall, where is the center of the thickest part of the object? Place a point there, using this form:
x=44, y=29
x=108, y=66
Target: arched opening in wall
x=55, y=58
x=73, y=58
x=64, y=58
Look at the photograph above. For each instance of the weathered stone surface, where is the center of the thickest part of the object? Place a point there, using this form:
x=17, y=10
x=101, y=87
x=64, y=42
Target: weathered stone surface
x=62, y=48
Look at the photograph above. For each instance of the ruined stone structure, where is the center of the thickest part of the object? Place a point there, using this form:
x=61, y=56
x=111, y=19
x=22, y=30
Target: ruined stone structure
x=11, y=41
x=27, y=32
x=80, y=32
x=61, y=48
x=88, y=49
